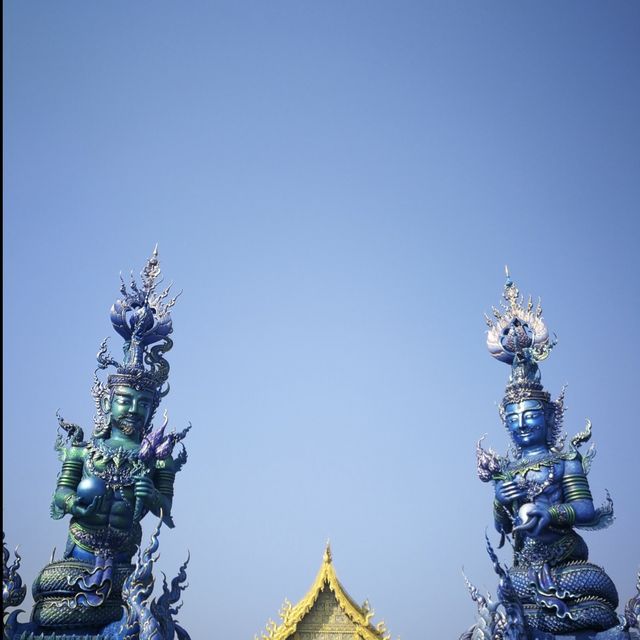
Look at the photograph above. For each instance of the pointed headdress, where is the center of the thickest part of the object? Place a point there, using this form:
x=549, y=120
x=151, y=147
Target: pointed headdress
x=141, y=316
x=518, y=336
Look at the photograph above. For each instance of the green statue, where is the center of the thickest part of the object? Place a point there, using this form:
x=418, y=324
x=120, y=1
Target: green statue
x=124, y=471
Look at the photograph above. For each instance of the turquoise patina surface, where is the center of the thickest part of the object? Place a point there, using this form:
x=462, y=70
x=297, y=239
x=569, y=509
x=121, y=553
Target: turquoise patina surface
x=109, y=482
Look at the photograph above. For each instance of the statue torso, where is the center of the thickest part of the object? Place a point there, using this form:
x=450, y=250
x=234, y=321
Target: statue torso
x=116, y=463
x=542, y=480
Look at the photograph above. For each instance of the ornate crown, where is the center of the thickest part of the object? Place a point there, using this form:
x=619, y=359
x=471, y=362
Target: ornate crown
x=141, y=315
x=519, y=336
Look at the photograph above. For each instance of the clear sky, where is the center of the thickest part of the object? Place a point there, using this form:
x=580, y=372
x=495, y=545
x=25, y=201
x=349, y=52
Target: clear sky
x=336, y=186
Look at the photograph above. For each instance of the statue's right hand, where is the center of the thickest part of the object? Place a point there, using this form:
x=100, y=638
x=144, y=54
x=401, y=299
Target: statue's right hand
x=508, y=491
x=77, y=508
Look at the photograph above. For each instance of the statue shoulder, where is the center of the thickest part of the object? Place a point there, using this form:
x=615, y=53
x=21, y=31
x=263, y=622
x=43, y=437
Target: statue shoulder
x=76, y=452
x=166, y=464
x=573, y=464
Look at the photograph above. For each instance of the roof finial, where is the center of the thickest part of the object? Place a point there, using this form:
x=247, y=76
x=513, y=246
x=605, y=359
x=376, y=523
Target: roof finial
x=327, y=557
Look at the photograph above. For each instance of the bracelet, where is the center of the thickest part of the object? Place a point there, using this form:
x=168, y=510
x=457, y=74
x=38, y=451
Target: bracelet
x=563, y=515
x=500, y=512
x=70, y=498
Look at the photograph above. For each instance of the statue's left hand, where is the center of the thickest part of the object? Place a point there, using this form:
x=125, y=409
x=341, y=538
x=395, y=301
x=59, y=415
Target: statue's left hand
x=538, y=520
x=145, y=491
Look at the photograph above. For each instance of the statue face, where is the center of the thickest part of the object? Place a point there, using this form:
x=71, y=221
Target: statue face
x=130, y=409
x=526, y=423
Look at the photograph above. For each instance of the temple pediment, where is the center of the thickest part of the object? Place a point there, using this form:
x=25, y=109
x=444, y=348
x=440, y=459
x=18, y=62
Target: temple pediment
x=326, y=612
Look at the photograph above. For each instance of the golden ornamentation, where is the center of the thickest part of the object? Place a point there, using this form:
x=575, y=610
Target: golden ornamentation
x=335, y=616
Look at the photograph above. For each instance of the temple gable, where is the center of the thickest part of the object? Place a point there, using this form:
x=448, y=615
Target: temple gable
x=325, y=621
x=326, y=612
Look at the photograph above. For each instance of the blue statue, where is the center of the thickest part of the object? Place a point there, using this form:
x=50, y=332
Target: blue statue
x=109, y=483
x=542, y=493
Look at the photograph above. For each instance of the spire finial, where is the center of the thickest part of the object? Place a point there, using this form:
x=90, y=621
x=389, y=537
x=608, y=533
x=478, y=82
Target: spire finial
x=327, y=557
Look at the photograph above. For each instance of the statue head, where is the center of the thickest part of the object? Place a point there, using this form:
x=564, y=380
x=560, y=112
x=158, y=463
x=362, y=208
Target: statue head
x=129, y=410
x=532, y=420
x=133, y=393
x=526, y=422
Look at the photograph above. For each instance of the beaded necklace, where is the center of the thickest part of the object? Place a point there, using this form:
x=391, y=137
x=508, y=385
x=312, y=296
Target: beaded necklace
x=533, y=487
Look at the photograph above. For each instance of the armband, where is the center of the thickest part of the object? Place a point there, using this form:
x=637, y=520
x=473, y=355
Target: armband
x=163, y=481
x=575, y=487
x=71, y=474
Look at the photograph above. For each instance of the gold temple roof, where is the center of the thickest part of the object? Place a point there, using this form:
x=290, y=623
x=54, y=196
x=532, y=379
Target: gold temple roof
x=326, y=612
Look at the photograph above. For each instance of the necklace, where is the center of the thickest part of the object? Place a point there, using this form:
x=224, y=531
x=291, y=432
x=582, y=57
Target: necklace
x=533, y=487
x=118, y=467
x=522, y=466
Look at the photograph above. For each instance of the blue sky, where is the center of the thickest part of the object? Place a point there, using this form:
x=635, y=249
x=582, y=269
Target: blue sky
x=336, y=187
